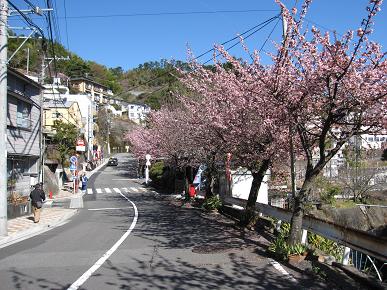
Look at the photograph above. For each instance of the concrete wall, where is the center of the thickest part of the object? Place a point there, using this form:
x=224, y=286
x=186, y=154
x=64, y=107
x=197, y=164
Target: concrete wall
x=241, y=184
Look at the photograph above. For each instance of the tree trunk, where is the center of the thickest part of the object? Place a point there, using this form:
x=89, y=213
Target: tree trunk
x=210, y=185
x=247, y=219
x=298, y=212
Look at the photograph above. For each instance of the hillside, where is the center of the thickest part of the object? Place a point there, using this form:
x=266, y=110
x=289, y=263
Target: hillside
x=150, y=83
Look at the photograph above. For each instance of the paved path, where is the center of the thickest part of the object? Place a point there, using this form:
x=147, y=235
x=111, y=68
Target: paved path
x=127, y=237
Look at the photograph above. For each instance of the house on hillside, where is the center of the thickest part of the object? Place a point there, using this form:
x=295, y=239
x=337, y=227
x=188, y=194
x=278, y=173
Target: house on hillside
x=66, y=111
x=23, y=134
x=138, y=113
x=98, y=92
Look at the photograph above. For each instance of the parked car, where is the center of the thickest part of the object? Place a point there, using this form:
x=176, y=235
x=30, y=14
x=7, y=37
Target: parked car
x=112, y=161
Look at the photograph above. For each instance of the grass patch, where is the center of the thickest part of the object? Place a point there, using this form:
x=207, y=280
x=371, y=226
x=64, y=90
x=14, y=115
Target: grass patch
x=345, y=204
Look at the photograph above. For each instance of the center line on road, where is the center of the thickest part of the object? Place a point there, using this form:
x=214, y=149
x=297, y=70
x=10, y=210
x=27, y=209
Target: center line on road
x=106, y=256
x=116, y=190
x=99, y=190
x=108, y=190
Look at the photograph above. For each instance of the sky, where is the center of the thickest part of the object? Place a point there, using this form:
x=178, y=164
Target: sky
x=128, y=33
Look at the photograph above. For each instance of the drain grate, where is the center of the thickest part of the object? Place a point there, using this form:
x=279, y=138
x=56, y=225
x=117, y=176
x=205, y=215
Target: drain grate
x=211, y=249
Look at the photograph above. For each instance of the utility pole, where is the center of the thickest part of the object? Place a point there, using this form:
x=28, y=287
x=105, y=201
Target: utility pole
x=41, y=136
x=108, y=135
x=28, y=60
x=3, y=116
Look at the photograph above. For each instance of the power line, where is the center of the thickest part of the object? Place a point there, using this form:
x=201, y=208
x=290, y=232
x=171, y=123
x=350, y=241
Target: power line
x=252, y=33
x=170, y=13
x=267, y=22
x=256, y=27
x=26, y=19
x=268, y=37
x=51, y=38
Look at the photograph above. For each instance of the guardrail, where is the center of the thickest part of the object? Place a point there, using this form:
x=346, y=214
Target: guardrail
x=355, y=239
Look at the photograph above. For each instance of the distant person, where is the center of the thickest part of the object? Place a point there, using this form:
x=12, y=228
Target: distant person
x=37, y=197
x=84, y=180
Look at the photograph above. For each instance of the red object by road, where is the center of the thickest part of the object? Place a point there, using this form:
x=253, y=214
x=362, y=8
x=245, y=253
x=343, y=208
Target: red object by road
x=192, y=191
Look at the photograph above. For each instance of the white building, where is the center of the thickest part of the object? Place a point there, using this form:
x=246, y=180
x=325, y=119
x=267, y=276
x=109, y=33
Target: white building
x=137, y=113
x=56, y=91
x=373, y=141
x=87, y=108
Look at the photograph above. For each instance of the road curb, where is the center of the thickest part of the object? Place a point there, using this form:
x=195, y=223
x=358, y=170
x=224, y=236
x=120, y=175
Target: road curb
x=29, y=233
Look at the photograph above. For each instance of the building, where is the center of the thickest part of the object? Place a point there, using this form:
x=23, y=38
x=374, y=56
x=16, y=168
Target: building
x=98, y=92
x=138, y=113
x=87, y=109
x=61, y=109
x=373, y=141
x=23, y=133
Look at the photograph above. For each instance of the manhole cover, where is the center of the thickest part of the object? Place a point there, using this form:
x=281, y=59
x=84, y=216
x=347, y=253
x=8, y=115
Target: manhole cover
x=210, y=249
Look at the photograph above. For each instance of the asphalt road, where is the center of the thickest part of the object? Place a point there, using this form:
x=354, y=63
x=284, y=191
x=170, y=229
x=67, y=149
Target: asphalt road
x=126, y=238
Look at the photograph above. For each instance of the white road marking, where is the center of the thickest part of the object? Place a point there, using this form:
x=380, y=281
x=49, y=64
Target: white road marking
x=127, y=179
x=108, y=190
x=116, y=190
x=106, y=256
x=125, y=189
x=279, y=268
x=89, y=191
x=107, y=208
x=99, y=190
x=134, y=189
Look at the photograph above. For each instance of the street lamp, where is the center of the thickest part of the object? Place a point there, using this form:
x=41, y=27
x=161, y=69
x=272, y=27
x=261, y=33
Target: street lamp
x=147, y=164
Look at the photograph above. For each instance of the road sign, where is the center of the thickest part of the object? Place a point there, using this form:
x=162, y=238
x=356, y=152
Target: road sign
x=73, y=166
x=80, y=142
x=73, y=159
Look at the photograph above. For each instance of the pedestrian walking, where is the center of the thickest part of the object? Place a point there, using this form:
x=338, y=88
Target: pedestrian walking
x=37, y=197
x=84, y=180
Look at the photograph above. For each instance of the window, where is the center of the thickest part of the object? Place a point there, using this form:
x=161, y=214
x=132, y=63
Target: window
x=57, y=115
x=371, y=139
x=132, y=115
x=23, y=114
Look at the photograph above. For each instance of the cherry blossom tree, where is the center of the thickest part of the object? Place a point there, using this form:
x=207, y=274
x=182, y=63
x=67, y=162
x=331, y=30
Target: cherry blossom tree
x=339, y=91
x=238, y=116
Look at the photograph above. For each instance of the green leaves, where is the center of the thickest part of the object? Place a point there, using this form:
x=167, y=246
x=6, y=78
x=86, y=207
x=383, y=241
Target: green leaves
x=65, y=138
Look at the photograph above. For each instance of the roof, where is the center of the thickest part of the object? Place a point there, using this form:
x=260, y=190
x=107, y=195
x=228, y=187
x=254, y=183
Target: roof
x=58, y=104
x=22, y=76
x=87, y=80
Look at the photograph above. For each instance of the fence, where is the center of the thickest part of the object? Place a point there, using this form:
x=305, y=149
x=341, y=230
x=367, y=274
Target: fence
x=355, y=239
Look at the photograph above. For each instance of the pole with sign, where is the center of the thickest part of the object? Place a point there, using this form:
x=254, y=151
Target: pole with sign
x=80, y=145
x=147, y=164
x=73, y=169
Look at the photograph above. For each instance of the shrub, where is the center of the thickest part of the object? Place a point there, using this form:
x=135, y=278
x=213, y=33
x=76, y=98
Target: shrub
x=156, y=172
x=325, y=245
x=212, y=203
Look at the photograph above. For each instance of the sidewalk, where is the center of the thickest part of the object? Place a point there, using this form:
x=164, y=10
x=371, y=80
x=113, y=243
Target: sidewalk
x=22, y=228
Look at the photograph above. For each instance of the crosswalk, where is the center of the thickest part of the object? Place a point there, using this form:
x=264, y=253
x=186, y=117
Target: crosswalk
x=115, y=190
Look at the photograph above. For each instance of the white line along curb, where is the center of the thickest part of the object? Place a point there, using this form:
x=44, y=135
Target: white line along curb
x=106, y=256
x=278, y=267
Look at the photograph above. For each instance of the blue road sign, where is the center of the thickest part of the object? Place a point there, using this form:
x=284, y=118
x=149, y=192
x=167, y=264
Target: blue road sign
x=73, y=166
x=73, y=159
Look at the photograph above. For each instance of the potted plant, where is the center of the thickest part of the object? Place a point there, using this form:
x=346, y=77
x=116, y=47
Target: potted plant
x=297, y=253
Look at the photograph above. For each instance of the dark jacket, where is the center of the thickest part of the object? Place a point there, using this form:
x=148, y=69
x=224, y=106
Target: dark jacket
x=37, y=195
